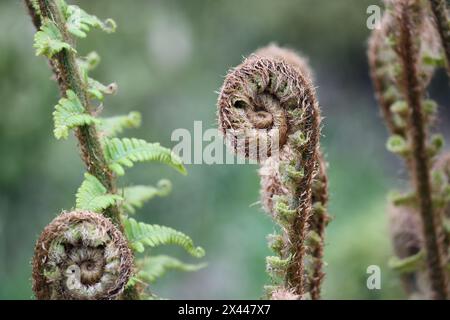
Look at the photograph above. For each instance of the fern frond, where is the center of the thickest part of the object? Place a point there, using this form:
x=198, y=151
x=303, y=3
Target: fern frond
x=49, y=40
x=79, y=22
x=135, y=196
x=93, y=196
x=124, y=152
x=96, y=89
x=70, y=113
x=154, y=267
x=140, y=234
x=113, y=126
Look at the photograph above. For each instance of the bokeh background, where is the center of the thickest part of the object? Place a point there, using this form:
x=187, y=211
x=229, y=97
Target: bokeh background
x=169, y=58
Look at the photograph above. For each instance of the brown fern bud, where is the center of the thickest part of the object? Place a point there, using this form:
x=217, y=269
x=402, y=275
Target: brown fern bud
x=268, y=104
x=81, y=255
x=264, y=101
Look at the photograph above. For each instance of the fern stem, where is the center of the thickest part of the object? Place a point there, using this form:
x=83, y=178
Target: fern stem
x=65, y=68
x=421, y=166
x=271, y=93
x=441, y=15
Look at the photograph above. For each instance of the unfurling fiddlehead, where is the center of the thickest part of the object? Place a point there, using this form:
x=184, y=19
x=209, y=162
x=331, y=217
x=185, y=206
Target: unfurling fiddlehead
x=268, y=111
x=81, y=255
x=403, y=54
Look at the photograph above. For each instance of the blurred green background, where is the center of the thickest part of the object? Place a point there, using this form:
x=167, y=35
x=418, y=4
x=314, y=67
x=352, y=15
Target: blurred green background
x=169, y=58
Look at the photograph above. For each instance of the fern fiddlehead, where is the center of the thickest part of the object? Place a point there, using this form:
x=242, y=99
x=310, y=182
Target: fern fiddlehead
x=403, y=54
x=268, y=104
x=85, y=242
x=81, y=255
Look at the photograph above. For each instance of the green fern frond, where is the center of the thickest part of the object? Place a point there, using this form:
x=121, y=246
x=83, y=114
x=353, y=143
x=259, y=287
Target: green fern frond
x=154, y=267
x=113, y=126
x=97, y=89
x=135, y=196
x=70, y=113
x=93, y=196
x=140, y=234
x=49, y=40
x=124, y=152
x=78, y=22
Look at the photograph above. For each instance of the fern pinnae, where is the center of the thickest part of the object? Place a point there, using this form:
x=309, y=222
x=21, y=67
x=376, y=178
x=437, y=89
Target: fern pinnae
x=154, y=267
x=93, y=196
x=69, y=114
x=125, y=152
x=141, y=234
x=112, y=126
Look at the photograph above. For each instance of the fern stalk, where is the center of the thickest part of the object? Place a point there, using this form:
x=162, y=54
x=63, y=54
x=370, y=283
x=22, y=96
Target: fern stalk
x=421, y=167
x=441, y=15
x=66, y=71
x=271, y=95
x=68, y=76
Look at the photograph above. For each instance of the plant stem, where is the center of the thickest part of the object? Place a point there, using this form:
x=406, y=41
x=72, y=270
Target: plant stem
x=441, y=15
x=67, y=73
x=66, y=70
x=421, y=166
x=302, y=195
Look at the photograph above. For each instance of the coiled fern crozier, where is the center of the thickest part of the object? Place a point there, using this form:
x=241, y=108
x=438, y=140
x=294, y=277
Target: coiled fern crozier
x=87, y=253
x=268, y=104
x=403, y=54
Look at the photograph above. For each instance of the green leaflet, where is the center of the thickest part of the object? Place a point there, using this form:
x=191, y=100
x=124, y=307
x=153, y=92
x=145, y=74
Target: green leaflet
x=93, y=196
x=141, y=234
x=154, y=267
x=70, y=113
x=78, y=22
x=135, y=196
x=96, y=89
x=48, y=40
x=113, y=126
x=124, y=152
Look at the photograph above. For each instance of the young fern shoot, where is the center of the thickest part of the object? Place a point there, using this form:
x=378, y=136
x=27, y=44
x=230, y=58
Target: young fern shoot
x=268, y=111
x=87, y=253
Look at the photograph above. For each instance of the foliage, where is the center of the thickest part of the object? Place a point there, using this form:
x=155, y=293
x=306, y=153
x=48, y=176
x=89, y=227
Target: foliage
x=104, y=154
